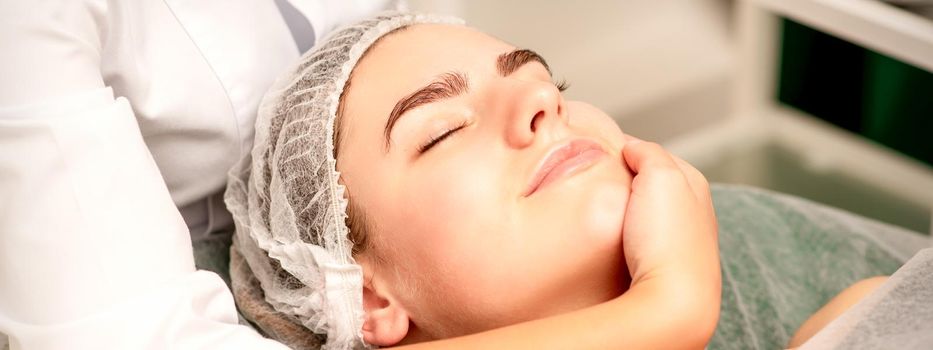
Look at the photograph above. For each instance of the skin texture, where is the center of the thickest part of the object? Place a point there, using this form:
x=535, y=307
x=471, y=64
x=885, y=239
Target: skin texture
x=456, y=247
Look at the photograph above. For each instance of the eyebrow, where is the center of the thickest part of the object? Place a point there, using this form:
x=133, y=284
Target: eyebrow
x=453, y=84
x=512, y=61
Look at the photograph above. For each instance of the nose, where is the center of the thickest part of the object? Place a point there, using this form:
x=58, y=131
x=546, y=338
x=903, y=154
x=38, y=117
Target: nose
x=533, y=109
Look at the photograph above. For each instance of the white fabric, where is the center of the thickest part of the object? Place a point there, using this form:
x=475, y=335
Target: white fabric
x=286, y=200
x=897, y=315
x=112, y=115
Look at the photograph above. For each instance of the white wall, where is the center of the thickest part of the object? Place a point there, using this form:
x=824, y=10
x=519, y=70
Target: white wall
x=659, y=67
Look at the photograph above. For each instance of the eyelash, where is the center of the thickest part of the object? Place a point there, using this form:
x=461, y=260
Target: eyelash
x=562, y=85
x=437, y=139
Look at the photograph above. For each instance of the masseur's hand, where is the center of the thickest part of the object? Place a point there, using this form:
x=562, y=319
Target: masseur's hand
x=670, y=233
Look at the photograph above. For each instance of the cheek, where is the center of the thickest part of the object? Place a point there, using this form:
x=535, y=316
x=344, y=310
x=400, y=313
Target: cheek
x=450, y=210
x=452, y=218
x=592, y=121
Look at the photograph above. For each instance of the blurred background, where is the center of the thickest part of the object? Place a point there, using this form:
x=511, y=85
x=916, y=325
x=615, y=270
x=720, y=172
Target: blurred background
x=830, y=100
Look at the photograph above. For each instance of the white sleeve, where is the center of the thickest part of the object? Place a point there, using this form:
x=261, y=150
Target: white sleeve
x=328, y=15
x=93, y=252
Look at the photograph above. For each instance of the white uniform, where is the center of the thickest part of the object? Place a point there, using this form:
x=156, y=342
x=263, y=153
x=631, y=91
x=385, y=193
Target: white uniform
x=118, y=122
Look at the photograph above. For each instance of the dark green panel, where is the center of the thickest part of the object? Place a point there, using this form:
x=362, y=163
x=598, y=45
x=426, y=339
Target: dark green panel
x=860, y=90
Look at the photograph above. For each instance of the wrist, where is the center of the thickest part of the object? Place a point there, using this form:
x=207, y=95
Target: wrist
x=687, y=305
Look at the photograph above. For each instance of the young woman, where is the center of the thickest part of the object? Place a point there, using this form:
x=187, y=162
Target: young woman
x=483, y=209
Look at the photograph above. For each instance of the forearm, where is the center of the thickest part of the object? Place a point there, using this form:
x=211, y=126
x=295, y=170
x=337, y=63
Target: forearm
x=652, y=315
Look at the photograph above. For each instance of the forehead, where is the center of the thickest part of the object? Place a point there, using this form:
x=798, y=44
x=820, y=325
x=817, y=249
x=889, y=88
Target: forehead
x=403, y=62
x=415, y=55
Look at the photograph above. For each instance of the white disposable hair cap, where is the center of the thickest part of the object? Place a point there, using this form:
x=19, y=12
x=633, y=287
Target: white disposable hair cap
x=287, y=204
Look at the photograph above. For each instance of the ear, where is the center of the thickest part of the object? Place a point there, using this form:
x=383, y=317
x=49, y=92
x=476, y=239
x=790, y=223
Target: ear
x=386, y=322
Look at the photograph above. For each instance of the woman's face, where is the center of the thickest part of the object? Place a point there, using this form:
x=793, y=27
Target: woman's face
x=463, y=246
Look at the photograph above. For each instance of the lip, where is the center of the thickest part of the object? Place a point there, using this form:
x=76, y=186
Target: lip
x=564, y=161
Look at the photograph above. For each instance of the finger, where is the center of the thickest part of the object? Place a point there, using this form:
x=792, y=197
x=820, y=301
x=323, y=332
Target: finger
x=694, y=176
x=696, y=179
x=641, y=156
x=654, y=170
x=698, y=184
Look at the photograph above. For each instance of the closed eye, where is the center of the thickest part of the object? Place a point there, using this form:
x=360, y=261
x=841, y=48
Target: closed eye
x=437, y=139
x=562, y=85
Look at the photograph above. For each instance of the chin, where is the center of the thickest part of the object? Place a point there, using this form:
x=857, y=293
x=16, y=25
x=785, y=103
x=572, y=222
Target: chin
x=602, y=225
x=603, y=197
